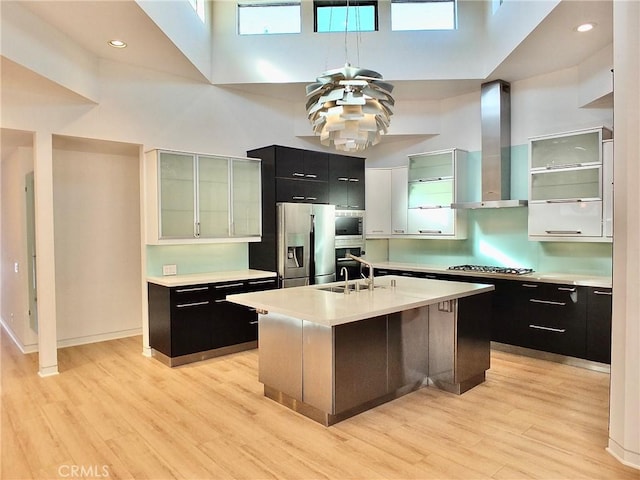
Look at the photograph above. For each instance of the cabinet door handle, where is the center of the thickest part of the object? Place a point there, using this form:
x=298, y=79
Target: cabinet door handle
x=354, y=179
x=397, y=230
x=220, y=300
x=569, y=165
x=296, y=174
x=548, y=329
x=311, y=175
x=567, y=289
x=253, y=323
x=529, y=285
x=231, y=285
x=297, y=197
x=377, y=231
x=355, y=207
x=197, y=232
x=429, y=207
x=193, y=289
x=564, y=200
x=601, y=292
x=194, y=304
x=260, y=282
x=430, y=179
x=312, y=198
x=430, y=231
x=343, y=179
x=564, y=232
x=547, y=302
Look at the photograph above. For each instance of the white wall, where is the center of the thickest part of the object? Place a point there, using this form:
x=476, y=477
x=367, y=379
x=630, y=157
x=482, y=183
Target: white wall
x=15, y=300
x=97, y=240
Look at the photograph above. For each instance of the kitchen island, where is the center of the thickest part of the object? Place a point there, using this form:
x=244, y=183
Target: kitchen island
x=331, y=355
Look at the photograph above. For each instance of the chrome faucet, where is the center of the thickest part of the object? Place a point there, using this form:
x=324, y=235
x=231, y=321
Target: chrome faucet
x=364, y=262
x=345, y=274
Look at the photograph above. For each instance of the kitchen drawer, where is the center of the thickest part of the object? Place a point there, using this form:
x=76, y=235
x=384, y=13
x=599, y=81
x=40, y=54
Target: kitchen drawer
x=221, y=290
x=190, y=294
x=554, y=319
x=259, y=284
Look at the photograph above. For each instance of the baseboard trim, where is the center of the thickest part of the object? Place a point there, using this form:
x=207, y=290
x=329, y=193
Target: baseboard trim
x=101, y=337
x=626, y=457
x=552, y=357
x=23, y=348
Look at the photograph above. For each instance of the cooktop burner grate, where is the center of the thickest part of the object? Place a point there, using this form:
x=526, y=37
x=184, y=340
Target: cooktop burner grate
x=492, y=269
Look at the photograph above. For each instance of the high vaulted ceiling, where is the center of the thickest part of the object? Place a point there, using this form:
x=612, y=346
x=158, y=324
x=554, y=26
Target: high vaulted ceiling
x=553, y=45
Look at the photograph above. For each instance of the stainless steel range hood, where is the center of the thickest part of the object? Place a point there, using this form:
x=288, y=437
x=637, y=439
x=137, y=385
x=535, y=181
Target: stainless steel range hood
x=495, y=110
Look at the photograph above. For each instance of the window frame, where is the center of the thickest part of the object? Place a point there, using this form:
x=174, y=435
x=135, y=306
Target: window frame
x=454, y=19
x=266, y=4
x=343, y=3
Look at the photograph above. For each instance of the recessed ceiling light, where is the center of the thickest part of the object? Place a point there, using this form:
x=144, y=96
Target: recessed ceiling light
x=117, y=43
x=585, y=27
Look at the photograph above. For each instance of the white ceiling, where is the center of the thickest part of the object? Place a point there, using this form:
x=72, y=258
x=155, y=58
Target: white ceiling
x=553, y=45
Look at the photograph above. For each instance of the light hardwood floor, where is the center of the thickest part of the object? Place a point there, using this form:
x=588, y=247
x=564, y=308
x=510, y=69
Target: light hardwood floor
x=112, y=413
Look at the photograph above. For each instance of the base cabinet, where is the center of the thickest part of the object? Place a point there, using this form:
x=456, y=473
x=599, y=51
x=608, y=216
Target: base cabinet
x=599, y=324
x=194, y=322
x=558, y=318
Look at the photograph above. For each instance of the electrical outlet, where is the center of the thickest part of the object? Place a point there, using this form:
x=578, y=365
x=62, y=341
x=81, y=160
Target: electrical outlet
x=169, y=269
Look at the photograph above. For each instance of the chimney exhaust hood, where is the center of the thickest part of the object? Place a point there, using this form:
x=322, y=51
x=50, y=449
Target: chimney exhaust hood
x=495, y=110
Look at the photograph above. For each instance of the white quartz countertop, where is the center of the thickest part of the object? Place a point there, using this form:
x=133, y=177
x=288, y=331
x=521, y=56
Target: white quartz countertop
x=603, y=281
x=209, y=277
x=316, y=305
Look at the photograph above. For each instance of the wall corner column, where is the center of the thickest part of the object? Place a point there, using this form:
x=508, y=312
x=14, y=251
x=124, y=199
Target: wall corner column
x=624, y=418
x=45, y=255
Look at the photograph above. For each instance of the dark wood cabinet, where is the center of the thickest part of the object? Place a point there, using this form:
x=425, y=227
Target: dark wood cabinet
x=194, y=322
x=565, y=319
x=599, y=305
x=553, y=318
x=346, y=182
x=301, y=164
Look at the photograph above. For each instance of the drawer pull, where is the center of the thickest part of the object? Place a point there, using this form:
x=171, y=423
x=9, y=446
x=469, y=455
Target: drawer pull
x=601, y=292
x=529, y=285
x=297, y=197
x=220, y=300
x=260, y=282
x=343, y=179
x=564, y=232
x=547, y=302
x=311, y=175
x=397, y=230
x=296, y=174
x=548, y=329
x=195, y=289
x=311, y=198
x=231, y=285
x=253, y=323
x=194, y=304
x=567, y=289
x=354, y=179
x=430, y=231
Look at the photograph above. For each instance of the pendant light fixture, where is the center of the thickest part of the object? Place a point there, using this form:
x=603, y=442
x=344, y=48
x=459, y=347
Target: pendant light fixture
x=349, y=107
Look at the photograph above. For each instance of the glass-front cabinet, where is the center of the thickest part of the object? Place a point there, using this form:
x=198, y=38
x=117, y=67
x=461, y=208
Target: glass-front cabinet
x=434, y=181
x=194, y=198
x=566, y=187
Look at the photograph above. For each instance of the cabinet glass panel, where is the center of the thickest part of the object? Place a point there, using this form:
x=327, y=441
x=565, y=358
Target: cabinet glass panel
x=578, y=149
x=213, y=196
x=177, y=195
x=432, y=193
x=578, y=183
x=246, y=198
x=434, y=166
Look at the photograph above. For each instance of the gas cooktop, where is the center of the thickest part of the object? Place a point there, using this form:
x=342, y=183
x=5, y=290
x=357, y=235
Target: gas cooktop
x=492, y=269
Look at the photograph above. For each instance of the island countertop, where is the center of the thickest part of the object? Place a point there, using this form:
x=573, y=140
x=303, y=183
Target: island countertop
x=315, y=304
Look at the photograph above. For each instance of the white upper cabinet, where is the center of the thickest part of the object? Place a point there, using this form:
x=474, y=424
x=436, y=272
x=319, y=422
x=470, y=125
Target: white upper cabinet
x=386, y=201
x=567, y=190
x=433, y=185
x=193, y=198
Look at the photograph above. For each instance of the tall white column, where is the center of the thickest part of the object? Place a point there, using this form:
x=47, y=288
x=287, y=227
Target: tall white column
x=624, y=421
x=45, y=255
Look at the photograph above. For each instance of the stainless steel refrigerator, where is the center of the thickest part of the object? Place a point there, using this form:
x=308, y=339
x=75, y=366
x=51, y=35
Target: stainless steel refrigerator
x=306, y=243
